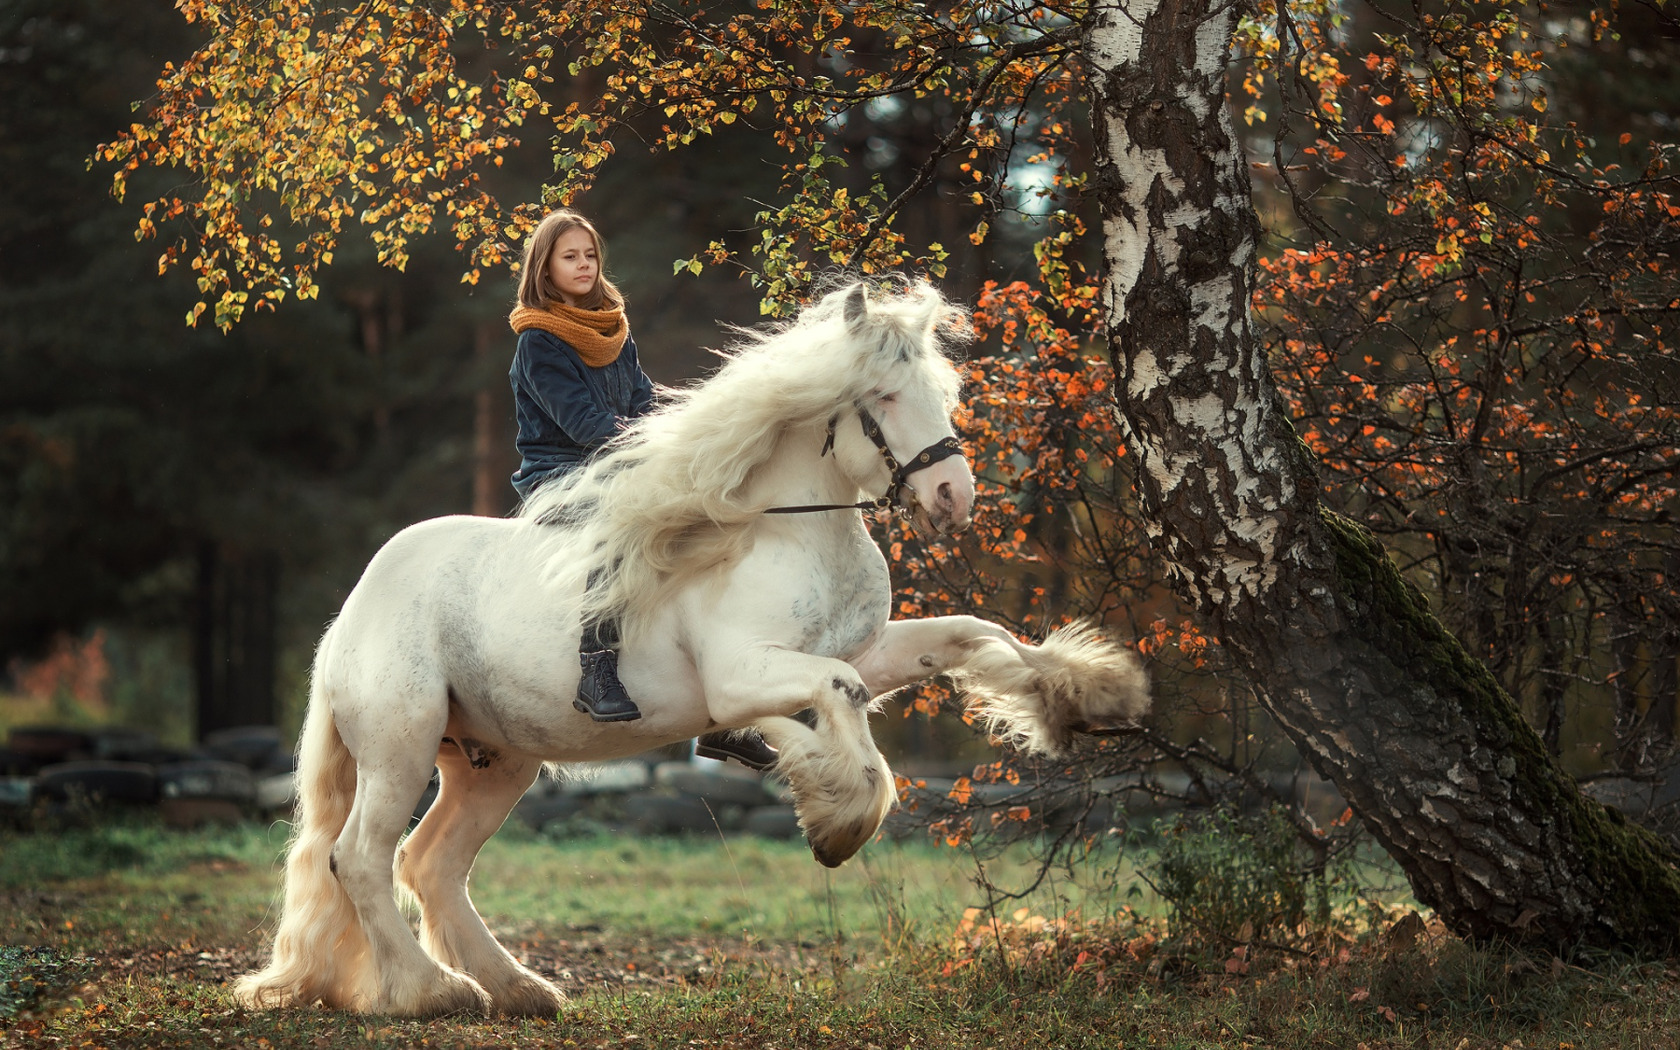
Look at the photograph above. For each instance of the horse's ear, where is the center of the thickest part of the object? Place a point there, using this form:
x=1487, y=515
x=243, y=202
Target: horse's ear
x=857, y=305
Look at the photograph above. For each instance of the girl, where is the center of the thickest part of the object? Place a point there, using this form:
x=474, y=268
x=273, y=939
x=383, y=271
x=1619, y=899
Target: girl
x=577, y=382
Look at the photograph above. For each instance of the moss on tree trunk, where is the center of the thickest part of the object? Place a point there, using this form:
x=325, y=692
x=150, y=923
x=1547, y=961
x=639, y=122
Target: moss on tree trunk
x=1576, y=873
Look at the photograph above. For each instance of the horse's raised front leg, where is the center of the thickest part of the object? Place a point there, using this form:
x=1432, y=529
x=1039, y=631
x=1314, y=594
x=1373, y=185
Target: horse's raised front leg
x=842, y=787
x=909, y=651
x=477, y=790
x=1036, y=696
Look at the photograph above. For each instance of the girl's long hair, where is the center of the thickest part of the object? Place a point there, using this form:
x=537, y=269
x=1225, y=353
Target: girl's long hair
x=535, y=290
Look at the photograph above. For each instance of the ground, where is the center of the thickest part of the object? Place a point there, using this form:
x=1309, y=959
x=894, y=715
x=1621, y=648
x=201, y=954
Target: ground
x=127, y=937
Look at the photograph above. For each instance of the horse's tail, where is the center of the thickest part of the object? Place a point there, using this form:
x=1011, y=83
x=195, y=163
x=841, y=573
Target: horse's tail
x=1037, y=697
x=320, y=951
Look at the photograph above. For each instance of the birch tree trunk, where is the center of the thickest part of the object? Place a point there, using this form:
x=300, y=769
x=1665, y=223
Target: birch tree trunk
x=1431, y=754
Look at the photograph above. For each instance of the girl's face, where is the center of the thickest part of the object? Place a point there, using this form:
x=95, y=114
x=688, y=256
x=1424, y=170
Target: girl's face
x=574, y=265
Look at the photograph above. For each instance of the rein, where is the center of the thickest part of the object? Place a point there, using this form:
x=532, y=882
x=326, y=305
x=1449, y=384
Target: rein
x=944, y=448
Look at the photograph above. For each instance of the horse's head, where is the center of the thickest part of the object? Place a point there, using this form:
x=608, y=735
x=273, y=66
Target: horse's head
x=907, y=408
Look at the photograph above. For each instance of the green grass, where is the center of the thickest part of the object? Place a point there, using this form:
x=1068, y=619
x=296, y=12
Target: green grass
x=749, y=887
x=124, y=937
x=88, y=889
x=105, y=888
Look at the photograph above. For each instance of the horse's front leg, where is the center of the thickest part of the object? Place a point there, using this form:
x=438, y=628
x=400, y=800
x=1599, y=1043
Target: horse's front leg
x=1036, y=696
x=907, y=651
x=842, y=787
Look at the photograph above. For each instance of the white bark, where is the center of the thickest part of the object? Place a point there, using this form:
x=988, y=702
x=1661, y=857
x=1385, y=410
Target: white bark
x=1172, y=215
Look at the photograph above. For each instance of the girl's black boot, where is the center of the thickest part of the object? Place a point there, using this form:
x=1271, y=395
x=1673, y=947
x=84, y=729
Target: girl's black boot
x=600, y=694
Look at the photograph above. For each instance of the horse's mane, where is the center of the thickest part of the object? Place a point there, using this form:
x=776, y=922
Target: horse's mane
x=667, y=501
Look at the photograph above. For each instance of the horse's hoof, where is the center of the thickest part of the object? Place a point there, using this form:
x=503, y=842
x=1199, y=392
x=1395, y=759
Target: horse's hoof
x=835, y=850
x=826, y=859
x=529, y=996
x=452, y=993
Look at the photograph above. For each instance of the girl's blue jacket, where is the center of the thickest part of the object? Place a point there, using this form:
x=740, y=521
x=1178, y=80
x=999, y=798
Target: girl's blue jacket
x=566, y=410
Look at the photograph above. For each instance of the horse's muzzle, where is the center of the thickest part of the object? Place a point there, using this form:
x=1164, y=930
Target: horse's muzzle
x=948, y=507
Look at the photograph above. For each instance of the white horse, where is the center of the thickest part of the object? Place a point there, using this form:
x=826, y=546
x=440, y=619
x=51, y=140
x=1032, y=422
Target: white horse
x=746, y=598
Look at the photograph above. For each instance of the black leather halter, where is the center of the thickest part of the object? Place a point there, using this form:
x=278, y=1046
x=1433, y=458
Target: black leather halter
x=944, y=448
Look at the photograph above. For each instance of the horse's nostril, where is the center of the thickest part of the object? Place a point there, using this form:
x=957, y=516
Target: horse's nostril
x=944, y=493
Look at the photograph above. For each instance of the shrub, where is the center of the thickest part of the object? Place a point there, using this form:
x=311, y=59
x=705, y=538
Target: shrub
x=1235, y=878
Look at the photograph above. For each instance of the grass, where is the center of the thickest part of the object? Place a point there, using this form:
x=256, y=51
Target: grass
x=124, y=937
x=99, y=888
x=745, y=886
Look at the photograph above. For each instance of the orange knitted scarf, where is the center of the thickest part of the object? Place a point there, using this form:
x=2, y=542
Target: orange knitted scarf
x=597, y=335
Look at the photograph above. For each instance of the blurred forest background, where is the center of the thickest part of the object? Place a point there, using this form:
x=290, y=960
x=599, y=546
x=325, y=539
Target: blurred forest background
x=182, y=510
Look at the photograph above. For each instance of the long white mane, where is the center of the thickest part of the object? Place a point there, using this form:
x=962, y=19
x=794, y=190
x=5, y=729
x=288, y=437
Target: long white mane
x=667, y=500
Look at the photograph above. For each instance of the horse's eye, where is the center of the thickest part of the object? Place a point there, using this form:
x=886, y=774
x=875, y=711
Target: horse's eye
x=887, y=399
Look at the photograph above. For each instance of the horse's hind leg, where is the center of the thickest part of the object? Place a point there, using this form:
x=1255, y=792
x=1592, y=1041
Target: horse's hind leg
x=435, y=861
x=395, y=746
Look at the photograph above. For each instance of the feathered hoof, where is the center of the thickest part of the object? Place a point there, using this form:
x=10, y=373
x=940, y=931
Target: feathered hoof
x=841, y=798
x=528, y=996
x=1100, y=681
x=830, y=859
x=1038, y=697
x=835, y=845
x=452, y=992
x=255, y=993
x=835, y=831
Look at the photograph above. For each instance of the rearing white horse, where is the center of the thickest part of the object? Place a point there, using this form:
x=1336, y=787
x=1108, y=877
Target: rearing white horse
x=743, y=604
